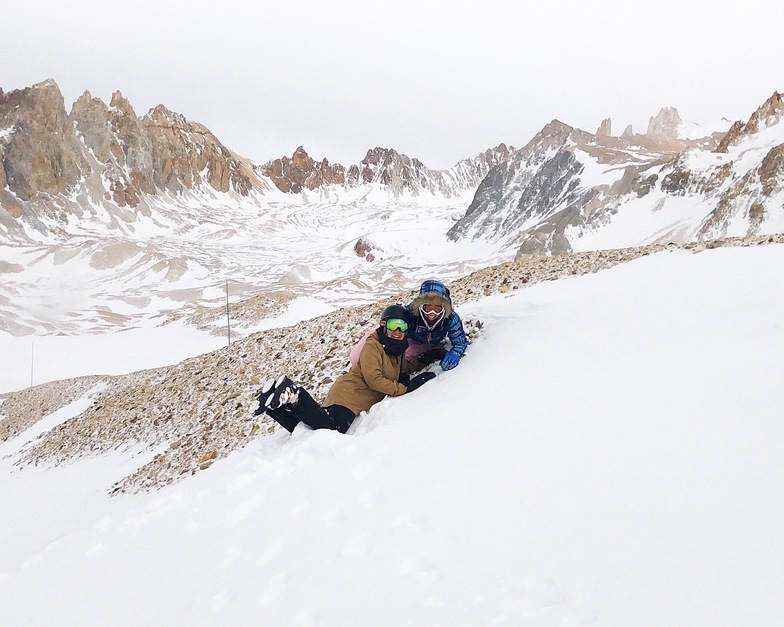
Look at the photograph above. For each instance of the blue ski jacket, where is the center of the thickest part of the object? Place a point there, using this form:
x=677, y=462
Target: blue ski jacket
x=451, y=326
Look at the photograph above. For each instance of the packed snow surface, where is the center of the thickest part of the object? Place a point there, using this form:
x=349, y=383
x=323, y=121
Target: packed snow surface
x=610, y=452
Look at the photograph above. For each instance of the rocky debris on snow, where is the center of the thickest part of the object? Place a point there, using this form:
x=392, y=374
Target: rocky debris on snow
x=21, y=411
x=243, y=314
x=202, y=409
x=364, y=248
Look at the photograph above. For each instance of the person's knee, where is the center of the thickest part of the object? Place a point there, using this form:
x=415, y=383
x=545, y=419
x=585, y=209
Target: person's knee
x=341, y=417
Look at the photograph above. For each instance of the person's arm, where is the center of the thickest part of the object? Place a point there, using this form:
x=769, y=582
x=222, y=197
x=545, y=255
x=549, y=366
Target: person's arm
x=371, y=365
x=457, y=336
x=459, y=342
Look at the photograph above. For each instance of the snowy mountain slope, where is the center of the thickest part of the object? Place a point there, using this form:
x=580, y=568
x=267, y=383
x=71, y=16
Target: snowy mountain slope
x=200, y=409
x=569, y=190
x=148, y=218
x=176, y=265
x=133, y=228
x=609, y=453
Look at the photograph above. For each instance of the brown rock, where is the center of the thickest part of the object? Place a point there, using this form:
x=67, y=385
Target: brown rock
x=208, y=457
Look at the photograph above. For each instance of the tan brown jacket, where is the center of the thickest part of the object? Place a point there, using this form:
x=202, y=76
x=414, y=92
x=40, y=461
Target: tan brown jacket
x=372, y=378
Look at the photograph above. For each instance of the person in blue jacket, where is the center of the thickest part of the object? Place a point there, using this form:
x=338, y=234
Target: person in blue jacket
x=436, y=332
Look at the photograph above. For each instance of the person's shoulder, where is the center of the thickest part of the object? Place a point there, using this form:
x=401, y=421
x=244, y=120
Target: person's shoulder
x=373, y=339
x=373, y=344
x=453, y=320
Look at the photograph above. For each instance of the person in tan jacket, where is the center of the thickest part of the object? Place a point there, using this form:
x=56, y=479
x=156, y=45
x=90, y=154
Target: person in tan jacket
x=380, y=371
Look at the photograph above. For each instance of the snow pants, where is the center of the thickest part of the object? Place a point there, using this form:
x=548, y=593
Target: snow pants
x=307, y=410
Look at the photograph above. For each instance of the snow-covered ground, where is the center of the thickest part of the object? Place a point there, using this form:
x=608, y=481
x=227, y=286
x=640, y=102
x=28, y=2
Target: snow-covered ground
x=95, y=303
x=610, y=452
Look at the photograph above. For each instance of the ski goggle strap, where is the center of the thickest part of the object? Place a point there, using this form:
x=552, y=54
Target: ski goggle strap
x=431, y=324
x=396, y=324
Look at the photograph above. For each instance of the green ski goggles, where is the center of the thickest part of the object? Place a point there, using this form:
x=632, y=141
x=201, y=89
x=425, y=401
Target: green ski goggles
x=396, y=324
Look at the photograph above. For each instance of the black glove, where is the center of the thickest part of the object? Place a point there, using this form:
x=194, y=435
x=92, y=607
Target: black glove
x=419, y=380
x=431, y=356
x=404, y=378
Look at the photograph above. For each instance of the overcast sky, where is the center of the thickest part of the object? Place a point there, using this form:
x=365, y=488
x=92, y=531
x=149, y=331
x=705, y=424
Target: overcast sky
x=437, y=80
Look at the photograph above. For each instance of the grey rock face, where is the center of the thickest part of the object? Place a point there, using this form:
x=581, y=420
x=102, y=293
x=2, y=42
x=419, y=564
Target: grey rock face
x=566, y=183
x=521, y=191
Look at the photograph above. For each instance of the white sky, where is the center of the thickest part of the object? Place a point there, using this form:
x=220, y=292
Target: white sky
x=437, y=80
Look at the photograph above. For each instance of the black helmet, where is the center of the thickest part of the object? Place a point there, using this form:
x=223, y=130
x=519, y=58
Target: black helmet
x=396, y=311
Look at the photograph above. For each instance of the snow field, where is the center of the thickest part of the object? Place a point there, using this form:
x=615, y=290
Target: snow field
x=609, y=452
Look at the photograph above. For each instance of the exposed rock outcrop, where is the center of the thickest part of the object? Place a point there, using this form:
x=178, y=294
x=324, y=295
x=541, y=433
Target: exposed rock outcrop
x=768, y=114
x=398, y=174
x=665, y=123
x=301, y=172
x=54, y=163
x=567, y=183
x=39, y=152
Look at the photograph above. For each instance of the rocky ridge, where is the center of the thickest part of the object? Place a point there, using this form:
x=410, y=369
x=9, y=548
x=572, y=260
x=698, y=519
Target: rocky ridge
x=56, y=164
x=104, y=159
x=398, y=173
x=201, y=409
x=567, y=183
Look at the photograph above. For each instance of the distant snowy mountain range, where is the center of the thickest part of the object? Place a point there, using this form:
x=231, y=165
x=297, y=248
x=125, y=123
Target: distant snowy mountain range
x=100, y=161
x=131, y=217
x=569, y=190
x=565, y=184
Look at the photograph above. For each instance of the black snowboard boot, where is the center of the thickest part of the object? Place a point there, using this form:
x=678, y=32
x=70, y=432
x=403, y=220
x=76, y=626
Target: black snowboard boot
x=284, y=393
x=266, y=391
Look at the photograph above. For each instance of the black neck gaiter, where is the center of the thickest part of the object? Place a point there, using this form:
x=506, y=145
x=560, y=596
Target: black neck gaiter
x=392, y=347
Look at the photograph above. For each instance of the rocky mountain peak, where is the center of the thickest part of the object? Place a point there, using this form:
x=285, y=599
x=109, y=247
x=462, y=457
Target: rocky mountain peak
x=103, y=155
x=41, y=155
x=160, y=115
x=488, y=159
x=386, y=157
x=300, y=171
x=766, y=115
x=665, y=123
x=605, y=128
x=121, y=103
x=552, y=135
